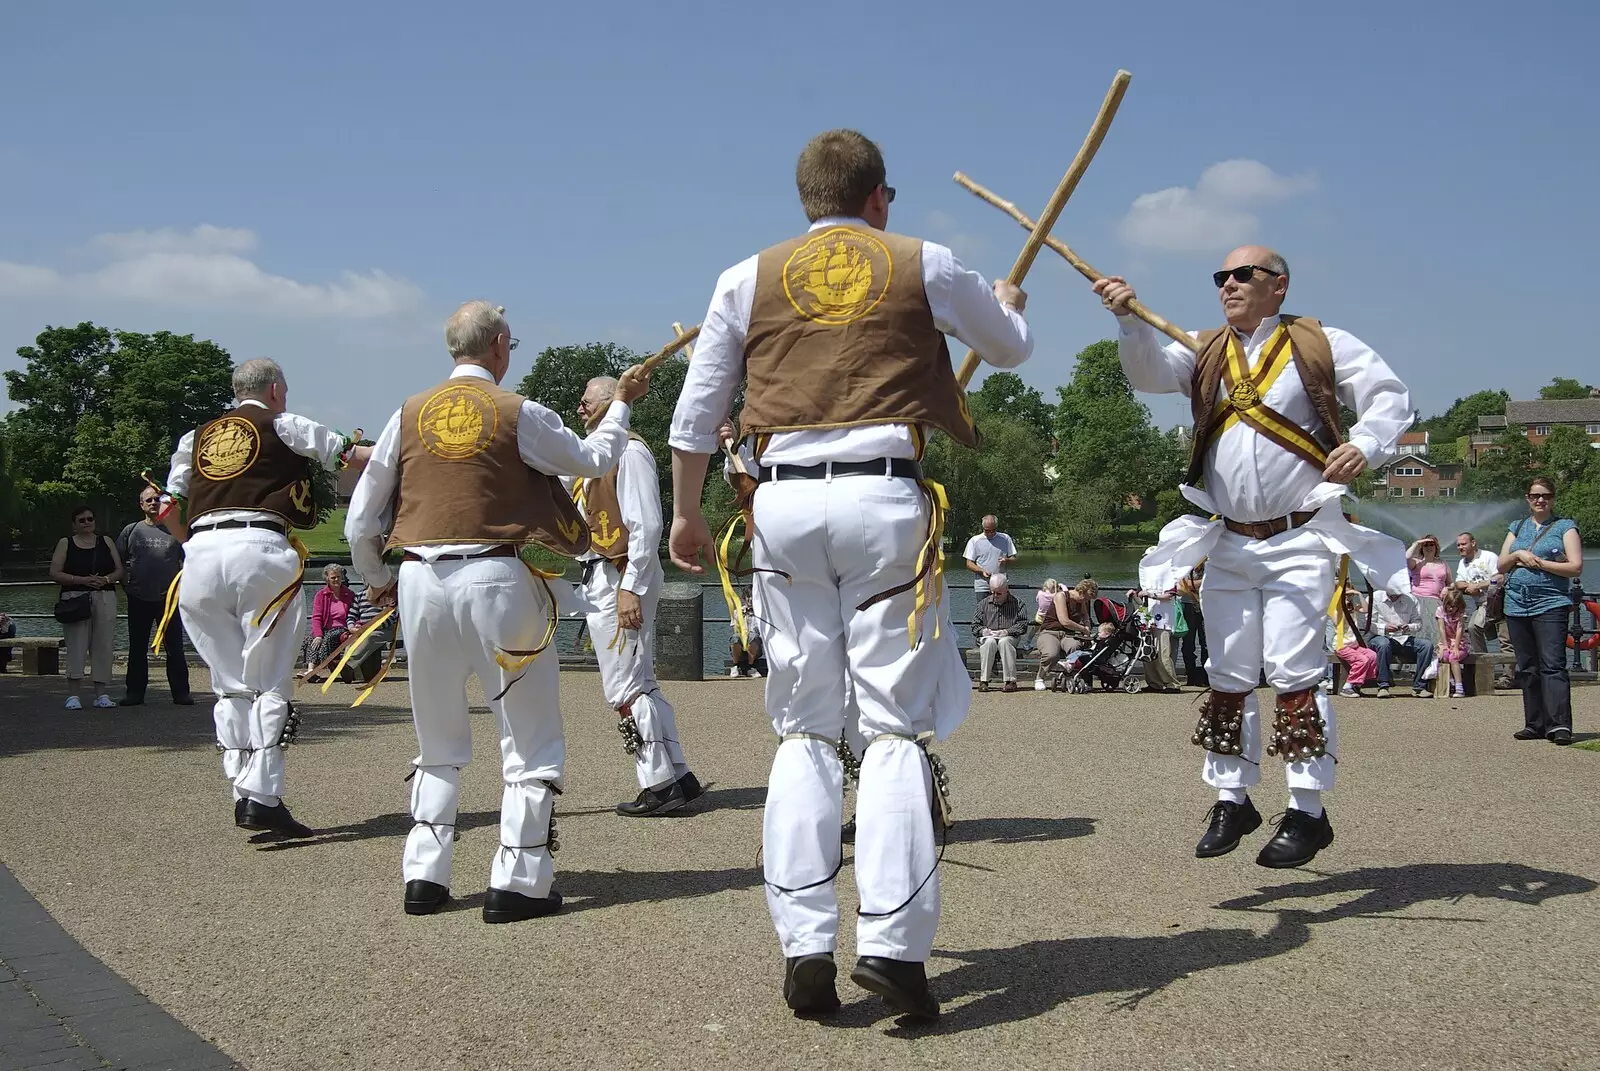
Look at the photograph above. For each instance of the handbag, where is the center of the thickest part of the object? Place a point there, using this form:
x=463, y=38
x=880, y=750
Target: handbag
x=73, y=607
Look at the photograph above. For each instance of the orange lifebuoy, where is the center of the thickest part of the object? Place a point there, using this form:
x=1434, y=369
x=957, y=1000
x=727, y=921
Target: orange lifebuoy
x=1591, y=641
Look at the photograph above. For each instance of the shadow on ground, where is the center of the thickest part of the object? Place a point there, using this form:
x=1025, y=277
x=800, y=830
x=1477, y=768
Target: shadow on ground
x=1018, y=983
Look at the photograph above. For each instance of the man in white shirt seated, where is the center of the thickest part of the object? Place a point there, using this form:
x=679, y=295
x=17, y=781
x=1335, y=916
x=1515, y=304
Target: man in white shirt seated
x=1398, y=635
x=1477, y=570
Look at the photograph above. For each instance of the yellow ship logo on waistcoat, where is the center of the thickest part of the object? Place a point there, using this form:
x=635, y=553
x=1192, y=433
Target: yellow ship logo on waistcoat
x=837, y=276
x=226, y=448
x=458, y=422
x=603, y=535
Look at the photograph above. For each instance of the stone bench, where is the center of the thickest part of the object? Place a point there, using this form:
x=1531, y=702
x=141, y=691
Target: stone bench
x=41, y=655
x=1027, y=664
x=1478, y=671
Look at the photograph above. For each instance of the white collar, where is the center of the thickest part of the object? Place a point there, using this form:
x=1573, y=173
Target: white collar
x=1264, y=329
x=839, y=221
x=475, y=371
x=253, y=401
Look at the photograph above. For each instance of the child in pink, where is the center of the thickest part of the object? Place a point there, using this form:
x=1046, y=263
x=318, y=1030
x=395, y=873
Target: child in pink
x=1452, y=616
x=1362, y=662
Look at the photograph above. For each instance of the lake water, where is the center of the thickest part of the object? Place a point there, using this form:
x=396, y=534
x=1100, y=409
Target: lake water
x=1114, y=570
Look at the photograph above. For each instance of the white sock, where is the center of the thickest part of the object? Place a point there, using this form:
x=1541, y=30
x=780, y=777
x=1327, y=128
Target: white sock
x=1232, y=795
x=1308, y=800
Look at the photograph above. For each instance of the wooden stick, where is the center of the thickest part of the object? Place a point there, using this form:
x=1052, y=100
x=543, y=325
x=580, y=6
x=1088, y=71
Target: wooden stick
x=1058, y=201
x=685, y=338
x=1166, y=327
x=688, y=351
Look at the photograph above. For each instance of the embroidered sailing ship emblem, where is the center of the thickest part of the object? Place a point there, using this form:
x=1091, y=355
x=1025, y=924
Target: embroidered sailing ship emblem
x=226, y=448
x=1244, y=395
x=458, y=422
x=837, y=276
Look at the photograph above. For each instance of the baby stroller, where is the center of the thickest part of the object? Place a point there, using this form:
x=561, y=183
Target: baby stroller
x=1112, y=661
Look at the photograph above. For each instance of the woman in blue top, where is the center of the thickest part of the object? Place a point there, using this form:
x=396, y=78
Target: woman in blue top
x=1540, y=557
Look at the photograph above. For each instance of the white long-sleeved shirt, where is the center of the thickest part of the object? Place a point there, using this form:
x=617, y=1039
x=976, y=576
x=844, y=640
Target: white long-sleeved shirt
x=1247, y=475
x=1398, y=616
x=305, y=437
x=639, y=501
x=543, y=443
x=963, y=305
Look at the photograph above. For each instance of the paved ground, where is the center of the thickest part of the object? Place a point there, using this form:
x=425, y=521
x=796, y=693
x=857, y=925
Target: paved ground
x=1452, y=924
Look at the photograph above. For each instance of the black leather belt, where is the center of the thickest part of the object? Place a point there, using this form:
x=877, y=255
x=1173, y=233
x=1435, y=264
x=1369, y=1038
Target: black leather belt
x=504, y=550
x=883, y=466
x=271, y=526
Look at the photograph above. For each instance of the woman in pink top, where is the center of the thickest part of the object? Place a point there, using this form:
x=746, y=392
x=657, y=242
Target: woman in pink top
x=1429, y=575
x=330, y=614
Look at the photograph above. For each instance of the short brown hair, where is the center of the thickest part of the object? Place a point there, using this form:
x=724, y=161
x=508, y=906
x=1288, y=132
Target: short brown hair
x=837, y=172
x=1549, y=484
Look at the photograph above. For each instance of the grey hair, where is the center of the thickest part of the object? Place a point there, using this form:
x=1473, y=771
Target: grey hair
x=256, y=376
x=608, y=383
x=472, y=328
x=999, y=580
x=1276, y=264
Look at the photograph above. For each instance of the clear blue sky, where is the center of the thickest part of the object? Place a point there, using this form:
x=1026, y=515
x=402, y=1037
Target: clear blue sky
x=1426, y=168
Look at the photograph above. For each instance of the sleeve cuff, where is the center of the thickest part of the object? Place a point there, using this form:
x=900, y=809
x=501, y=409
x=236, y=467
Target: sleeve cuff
x=620, y=412
x=695, y=444
x=1374, y=453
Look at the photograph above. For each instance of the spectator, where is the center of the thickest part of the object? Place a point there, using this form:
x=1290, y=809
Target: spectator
x=1479, y=578
x=998, y=623
x=330, y=617
x=1429, y=575
x=1541, y=555
x=989, y=552
x=1194, y=668
x=749, y=660
x=1353, y=652
x=8, y=630
x=1453, y=638
x=1063, y=627
x=1159, y=673
x=87, y=567
x=151, y=558
x=1044, y=598
x=1398, y=636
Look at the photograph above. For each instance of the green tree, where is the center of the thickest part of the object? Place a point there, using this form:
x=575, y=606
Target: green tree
x=1004, y=476
x=1566, y=455
x=1462, y=416
x=560, y=374
x=1561, y=387
x=1005, y=392
x=96, y=407
x=1503, y=471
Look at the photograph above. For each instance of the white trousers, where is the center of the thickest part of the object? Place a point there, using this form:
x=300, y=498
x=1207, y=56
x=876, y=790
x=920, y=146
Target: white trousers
x=453, y=615
x=1266, y=607
x=229, y=576
x=628, y=671
x=842, y=541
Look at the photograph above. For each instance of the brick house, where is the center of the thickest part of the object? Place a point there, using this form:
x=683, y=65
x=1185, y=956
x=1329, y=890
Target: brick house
x=1413, y=476
x=1537, y=419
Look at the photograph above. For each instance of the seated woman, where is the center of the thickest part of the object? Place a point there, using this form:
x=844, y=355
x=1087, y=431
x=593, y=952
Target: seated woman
x=1063, y=628
x=331, y=617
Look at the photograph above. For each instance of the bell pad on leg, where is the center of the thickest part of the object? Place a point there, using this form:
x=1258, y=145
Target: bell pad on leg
x=1221, y=722
x=1299, y=733
x=631, y=740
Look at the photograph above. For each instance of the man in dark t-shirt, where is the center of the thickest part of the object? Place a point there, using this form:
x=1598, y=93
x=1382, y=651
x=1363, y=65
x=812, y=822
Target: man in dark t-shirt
x=152, y=558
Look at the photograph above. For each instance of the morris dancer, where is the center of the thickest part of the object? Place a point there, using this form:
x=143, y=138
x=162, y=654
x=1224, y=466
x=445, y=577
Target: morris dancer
x=1268, y=442
x=463, y=477
x=244, y=482
x=840, y=332
x=622, y=579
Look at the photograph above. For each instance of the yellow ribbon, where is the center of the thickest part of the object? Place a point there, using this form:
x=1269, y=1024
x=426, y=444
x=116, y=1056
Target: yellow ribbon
x=1251, y=387
x=1336, y=607
x=729, y=595
x=350, y=649
x=930, y=584
x=287, y=595
x=168, y=610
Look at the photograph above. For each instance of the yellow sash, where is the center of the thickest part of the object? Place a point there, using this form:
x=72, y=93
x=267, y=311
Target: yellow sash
x=1244, y=389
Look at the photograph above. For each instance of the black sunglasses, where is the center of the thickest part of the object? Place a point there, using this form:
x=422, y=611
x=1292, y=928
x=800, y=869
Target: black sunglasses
x=1539, y=494
x=888, y=194
x=1241, y=274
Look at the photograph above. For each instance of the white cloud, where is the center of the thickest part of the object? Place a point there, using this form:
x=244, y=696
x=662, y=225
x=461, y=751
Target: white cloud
x=1216, y=214
x=203, y=268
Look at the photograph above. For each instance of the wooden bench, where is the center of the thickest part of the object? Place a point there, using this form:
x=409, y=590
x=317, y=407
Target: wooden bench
x=41, y=655
x=1478, y=671
x=1027, y=664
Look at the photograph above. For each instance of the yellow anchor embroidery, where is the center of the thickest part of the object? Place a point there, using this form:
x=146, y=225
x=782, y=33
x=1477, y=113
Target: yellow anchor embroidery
x=569, y=531
x=300, y=496
x=600, y=536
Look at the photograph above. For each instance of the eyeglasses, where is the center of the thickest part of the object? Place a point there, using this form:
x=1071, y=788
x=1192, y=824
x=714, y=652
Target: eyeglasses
x=515, y=343
x=888, y=194
x=84, y=520
x=1241, y=274
x=1538, y=496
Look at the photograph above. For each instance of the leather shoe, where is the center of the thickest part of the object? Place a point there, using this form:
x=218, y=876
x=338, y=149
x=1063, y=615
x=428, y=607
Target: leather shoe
x=847, y=832
x=130, y=701
x=808, y=984
x=690, y=784
x=1561, y=737
x=1525, y=734
x=903, y=985
x=1299, y=838
x=653, y=801
x=183, y=700
x=1230, y=822
x=503, y=905
x=264, y=819
x=1009, y=686
x=238, y=812
x=425, y=897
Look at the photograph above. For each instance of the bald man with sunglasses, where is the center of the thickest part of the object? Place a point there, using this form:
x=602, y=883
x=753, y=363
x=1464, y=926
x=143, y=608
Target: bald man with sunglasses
x=1265, y=391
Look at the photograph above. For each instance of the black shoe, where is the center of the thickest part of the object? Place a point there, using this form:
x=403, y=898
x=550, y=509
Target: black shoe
x=425, y=897
x=808, y=984
x=1299, y=838
x=847, y=832
x=264, y=819
x=238, y=812
x=1230, y=822
x=183, y=700
x=690, y=785
x=654, y=801
x=903, y=985
x=1526, y=734
x=130, y=701
x=1561, y=737
x=503, y=905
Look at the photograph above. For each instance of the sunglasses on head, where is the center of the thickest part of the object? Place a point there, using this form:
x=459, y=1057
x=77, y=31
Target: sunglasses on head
x=1242, y=274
